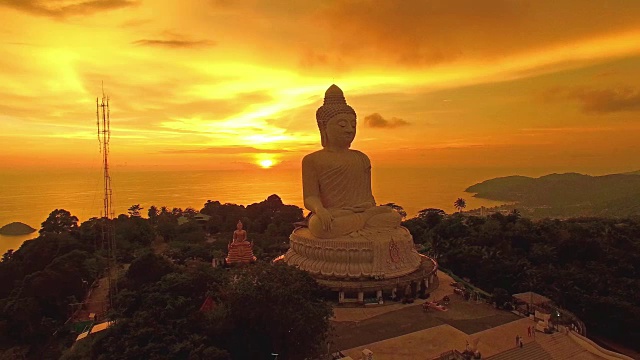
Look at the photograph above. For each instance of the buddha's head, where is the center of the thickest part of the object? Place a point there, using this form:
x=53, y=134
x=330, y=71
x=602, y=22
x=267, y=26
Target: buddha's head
x=239, y=225
x=336, y=119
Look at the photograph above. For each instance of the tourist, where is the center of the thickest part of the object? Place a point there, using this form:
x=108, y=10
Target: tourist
x=529, y=331
x=517, y=340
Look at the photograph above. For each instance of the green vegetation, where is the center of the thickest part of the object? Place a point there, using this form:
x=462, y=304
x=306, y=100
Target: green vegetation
x=39, y=281
x=566, y=195
x=163, y=289
x=255, y=311
x=173, y=304
x=589, y=266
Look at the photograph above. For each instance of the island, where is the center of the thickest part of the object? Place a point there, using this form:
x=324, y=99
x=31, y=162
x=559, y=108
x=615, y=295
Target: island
x=16, y=229
x=565, y=195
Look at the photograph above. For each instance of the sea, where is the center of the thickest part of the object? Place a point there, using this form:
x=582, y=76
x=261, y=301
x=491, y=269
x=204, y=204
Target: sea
x=29, y=196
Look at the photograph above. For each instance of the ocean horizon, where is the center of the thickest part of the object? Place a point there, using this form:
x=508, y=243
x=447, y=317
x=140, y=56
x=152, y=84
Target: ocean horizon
x=29, y=196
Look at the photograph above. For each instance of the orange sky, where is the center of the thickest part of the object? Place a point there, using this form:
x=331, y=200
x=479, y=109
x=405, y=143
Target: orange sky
x=211, y=84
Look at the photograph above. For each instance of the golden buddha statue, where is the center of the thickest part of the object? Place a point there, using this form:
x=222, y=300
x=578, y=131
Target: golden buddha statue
x=239, y=235
x=240, y=250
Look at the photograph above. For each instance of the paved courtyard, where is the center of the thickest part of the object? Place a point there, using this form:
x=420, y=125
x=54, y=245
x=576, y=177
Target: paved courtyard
x=399, y=331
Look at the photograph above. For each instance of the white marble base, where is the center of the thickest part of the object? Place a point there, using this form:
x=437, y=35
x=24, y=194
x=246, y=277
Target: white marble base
x=368, y=254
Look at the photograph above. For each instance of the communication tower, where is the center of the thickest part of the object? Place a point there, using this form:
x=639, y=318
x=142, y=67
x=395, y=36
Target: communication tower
x=108, y=233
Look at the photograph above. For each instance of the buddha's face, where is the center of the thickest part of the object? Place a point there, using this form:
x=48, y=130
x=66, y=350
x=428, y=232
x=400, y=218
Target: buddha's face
x=341, y=130
x=239, y=226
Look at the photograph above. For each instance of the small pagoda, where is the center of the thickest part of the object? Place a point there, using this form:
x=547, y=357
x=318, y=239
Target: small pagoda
x=240, y=250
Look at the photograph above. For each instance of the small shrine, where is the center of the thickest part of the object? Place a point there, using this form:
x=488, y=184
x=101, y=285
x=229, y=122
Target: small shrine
x=240, y=250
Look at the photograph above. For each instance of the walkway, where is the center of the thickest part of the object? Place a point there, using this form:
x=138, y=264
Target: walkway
x=397, y=331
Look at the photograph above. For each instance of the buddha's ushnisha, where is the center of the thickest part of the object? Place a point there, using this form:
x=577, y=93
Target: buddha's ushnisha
x=337, y=180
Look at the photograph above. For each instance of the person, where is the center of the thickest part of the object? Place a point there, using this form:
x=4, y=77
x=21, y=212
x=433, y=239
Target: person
x=239, y=235
x=529, y=331
x=336, y=180
x=517, y=340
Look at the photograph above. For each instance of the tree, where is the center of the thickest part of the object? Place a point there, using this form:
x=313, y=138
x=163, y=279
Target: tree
x=153, y=212
x=397, y=208
x=161, y=319
x=7, y=256
x=425, y=212
x=275, y=309
x=460, y=204
x=514, y=215
x=431, y=216
x=148, y=268
x=134, y=210
x=190, y=213
x=59, y=221
x=167, y=225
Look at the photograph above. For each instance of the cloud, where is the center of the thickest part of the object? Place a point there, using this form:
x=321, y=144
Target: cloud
x=175, y=44
x=64, y=8
x=231, y=150
x=376, y=120
x=598, y=101
x=430, y=32
x=609, y=100
x=565, y=130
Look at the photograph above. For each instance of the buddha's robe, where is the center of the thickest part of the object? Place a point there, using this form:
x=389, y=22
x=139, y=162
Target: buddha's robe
x=342, y=180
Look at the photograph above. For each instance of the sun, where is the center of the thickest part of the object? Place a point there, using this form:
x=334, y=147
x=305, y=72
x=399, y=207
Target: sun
x=266, y=163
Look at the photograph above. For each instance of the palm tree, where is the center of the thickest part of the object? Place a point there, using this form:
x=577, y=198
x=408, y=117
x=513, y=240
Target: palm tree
x=460, y=204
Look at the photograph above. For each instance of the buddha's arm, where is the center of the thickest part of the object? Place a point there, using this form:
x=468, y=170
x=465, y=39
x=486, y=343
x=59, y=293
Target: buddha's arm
x=311, y=193
x=371, y=202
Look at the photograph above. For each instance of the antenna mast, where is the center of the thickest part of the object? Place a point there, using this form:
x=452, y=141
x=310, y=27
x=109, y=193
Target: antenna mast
x=108, y=233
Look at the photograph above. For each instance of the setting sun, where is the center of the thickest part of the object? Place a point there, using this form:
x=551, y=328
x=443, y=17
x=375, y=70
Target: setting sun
x=266, y=163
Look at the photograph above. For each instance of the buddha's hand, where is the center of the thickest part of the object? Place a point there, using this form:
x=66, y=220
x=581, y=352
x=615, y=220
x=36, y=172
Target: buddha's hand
x=325, y=218
x=360, y=207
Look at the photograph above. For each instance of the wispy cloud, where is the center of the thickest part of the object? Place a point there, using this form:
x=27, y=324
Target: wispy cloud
x=61, y=9
x=598, y=101
x=175, y=44
x=230, y=150
x=546, y=130
x=609, y=100
x=376, y=120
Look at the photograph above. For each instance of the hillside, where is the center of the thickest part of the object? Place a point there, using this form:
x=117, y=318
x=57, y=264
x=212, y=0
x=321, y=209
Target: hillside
x=569, y=194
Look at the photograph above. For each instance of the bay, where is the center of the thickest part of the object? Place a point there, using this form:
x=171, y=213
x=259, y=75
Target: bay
x=29, y=196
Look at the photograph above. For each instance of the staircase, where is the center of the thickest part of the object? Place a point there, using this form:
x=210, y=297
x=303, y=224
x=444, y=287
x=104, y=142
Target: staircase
x=561, y=347
x=530, y=351
x=556, y=346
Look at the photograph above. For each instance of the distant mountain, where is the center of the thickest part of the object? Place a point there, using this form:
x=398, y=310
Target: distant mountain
x=569, y=194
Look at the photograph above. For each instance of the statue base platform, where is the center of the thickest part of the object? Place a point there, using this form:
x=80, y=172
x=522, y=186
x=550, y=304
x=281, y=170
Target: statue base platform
x=364, y=266
x=240, y=252
x=365, y=255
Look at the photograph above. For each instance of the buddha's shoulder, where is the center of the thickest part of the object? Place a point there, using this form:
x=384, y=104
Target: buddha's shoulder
x=358, y=153
x=323, y=154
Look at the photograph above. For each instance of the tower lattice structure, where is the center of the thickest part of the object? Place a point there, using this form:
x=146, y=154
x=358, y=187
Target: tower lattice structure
x=103, y=123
